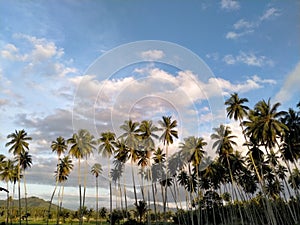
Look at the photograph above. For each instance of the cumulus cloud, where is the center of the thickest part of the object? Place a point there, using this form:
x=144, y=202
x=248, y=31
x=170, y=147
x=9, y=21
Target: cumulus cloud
x=290, y=86
x=41, y=56
x=152, y=54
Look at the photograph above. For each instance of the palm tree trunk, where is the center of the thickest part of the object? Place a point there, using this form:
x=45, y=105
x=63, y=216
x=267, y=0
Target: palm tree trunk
x=7, y=204
x=49, y=209
x=80, y=196
x=97, y=197
x=57, y=208
x=19, y=191
x=166, y=186
x=110, y=199
x=25, y=190
x=84, y=182
x=133, y=181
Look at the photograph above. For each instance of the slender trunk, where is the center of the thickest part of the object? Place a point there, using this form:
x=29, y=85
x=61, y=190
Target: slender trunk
x=84, y=182
x=61, y=200
x=56, y=184
x=7, y=204
x=133, y=181
x=154, y=203
x=191, y=196
x=49, y=209
x=233, y=188
x=166, y=187
x=125, y=195
x=97, y=197
x=25, y=190
x=12, y=204
x=80, y=196
x=110, y=199
x=19, y=191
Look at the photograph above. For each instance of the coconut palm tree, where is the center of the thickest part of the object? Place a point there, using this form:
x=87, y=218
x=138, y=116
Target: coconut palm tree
x=25, y=162
x=158, y=172
x=96, y=170
x=18, y=144
x=224, y=147
x=7, y=174
x=62, y=173
x=193, y=148
x=60, y=147
x=121, y=156
x=291, y=145
x=106, y=148
x=168, y=128
x=82, y=145
x=131, y=137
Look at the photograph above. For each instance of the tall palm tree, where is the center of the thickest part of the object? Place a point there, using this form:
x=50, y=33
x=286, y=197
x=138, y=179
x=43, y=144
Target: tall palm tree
x=96, y=170
x=131, y=137
x=169, y=132
x=62, y=173
x=121, y=156
x=224, y=145
x=18, y=144
x=291, y=145
x=158, y=172
x=106, y=148
x=82, y=145
x=192, y=150
x=25, y=162
x=264, y=126
x=7, y=174
x=238, y=111
x=60, y=147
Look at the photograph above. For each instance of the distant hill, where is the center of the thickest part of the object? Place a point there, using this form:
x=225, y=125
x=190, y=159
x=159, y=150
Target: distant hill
x=31, y=202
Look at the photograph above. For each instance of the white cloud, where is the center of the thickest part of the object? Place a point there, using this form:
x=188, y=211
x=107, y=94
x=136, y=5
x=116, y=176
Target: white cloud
x=11, y=52
x=241, y=24
x=290, y=86
x=236, y=35
x=246, y=27
x=230, y=4
x=269, y=14
x=229, y=59
x=264, y=81
x=152, y=54
x=249, y=59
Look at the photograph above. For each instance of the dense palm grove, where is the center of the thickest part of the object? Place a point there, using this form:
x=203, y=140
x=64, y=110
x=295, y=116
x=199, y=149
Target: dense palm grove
x=259, y=185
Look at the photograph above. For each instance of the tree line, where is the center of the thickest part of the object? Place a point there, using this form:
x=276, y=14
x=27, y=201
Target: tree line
x=256, y=186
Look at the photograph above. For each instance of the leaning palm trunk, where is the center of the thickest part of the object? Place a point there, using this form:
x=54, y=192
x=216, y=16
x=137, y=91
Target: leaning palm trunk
x=50, y=204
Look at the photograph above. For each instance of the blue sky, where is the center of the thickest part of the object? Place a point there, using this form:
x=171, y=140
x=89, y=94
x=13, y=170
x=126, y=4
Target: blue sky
x=46, y=47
